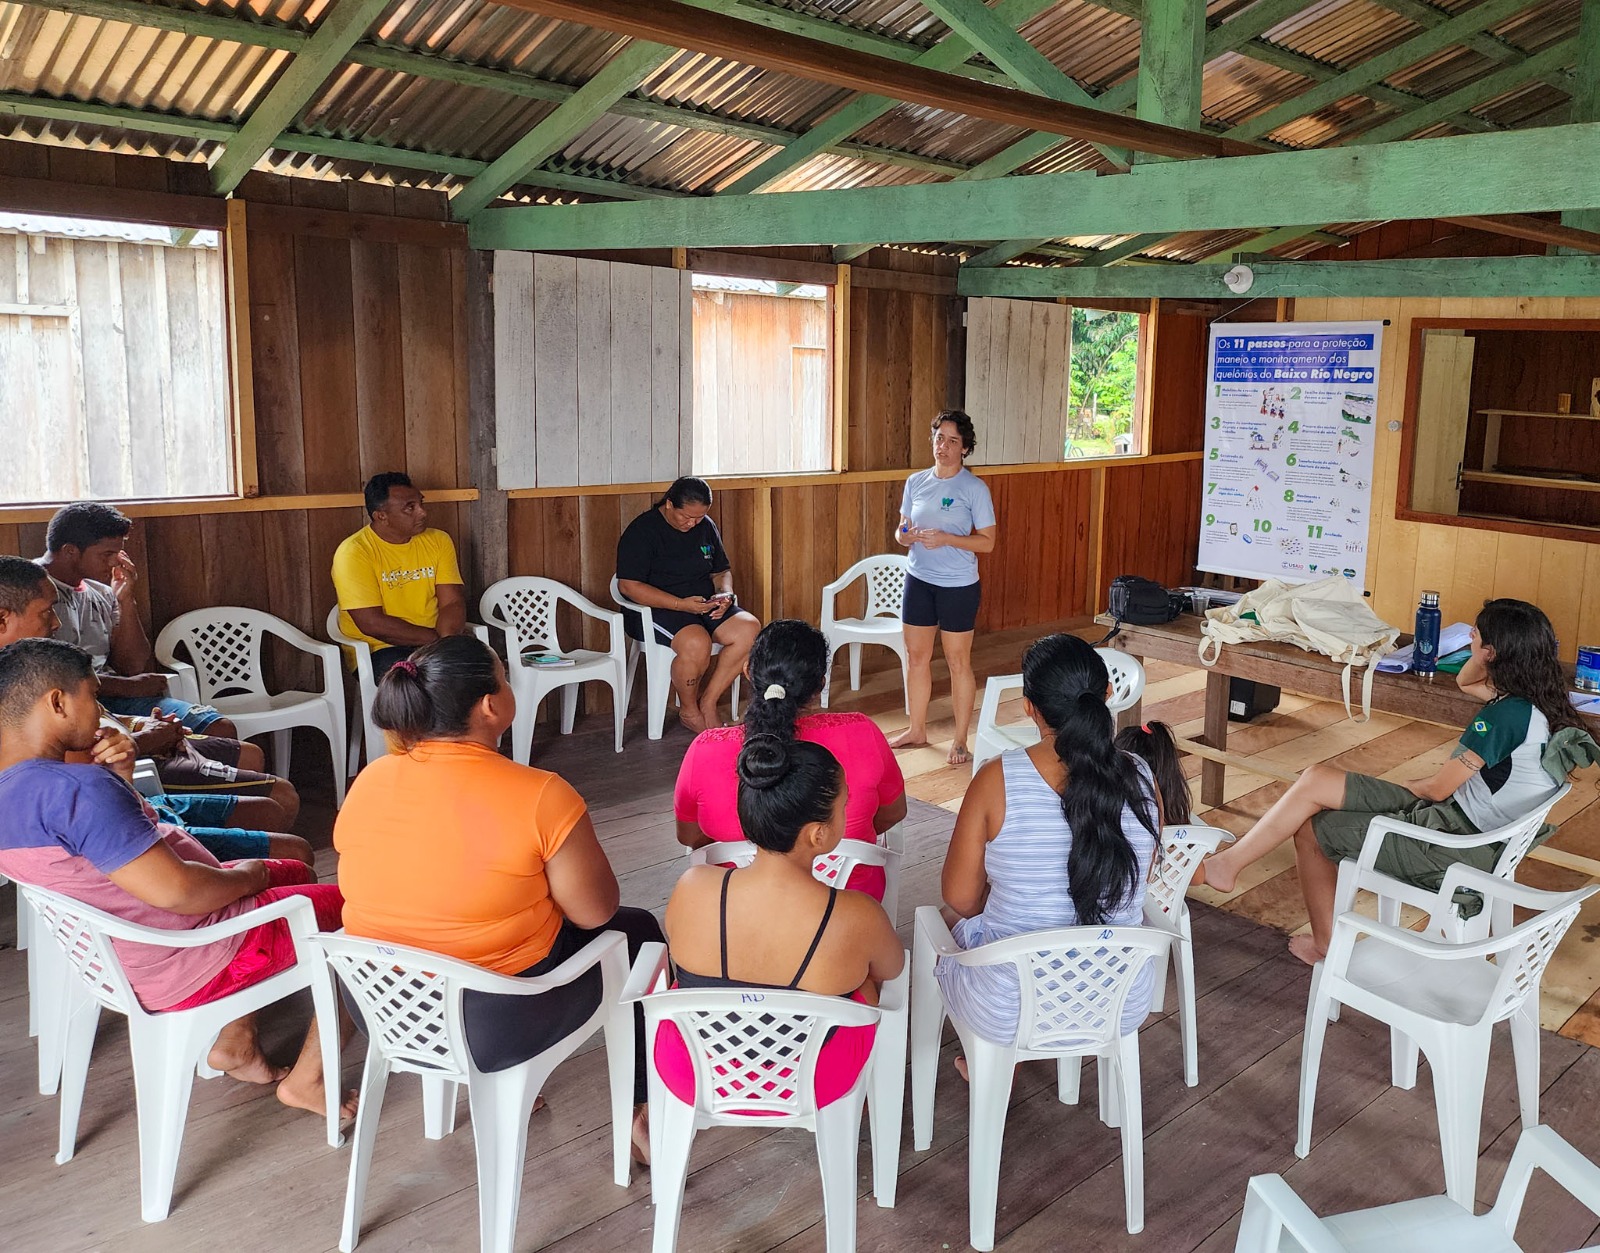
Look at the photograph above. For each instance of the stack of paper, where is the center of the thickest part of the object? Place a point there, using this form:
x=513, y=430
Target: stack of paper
x=1457, y=635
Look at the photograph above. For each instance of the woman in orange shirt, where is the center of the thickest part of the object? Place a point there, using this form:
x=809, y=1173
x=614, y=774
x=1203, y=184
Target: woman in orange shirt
x=450, y=847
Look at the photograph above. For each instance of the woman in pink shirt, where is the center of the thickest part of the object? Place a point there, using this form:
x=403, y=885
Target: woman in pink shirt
x=787, y=669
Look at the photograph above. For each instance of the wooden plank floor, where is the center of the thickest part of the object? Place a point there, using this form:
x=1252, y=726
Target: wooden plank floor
x=254, y=1176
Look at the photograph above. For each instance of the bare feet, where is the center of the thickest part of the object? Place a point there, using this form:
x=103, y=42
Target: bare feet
x=1215, y=874
x=909, y=738
x=691, y=717
x=1306, y=949
x=958, y=755
x=710, y=715
x=238, y=1056
x=641, y=1136
x=313, y=1097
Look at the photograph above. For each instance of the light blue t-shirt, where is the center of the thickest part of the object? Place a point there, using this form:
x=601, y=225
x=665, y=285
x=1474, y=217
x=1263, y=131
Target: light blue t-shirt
x=958, y=505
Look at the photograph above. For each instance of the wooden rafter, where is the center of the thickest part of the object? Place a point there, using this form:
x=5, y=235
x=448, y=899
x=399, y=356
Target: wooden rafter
x=714, y=34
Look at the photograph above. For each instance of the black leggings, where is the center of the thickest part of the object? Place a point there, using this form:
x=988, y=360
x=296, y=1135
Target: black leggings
x=504, y=1031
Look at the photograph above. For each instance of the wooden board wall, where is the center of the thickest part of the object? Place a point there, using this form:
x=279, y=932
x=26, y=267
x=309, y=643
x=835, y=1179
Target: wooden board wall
x=1018, y=354
x=1465, y=564
x=899, y=374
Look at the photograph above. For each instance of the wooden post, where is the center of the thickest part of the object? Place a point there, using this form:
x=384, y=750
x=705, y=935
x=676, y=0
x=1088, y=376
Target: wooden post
x=764, y=549
x=841, y=369
x=236, y=260
x=488, y=558
x=1213, y=772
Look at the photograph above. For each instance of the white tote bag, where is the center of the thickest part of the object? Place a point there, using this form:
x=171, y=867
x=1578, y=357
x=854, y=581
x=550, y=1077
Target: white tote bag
x=1329, y=617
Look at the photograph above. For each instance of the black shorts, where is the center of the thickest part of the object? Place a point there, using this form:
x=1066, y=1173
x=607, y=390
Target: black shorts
x=670, y=621
x=953, y=609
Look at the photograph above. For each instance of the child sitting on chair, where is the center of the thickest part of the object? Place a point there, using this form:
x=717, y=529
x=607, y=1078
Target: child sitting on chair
x=1156, y=746
x=1497, y=774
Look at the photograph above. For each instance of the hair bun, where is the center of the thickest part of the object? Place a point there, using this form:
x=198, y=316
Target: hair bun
x=763, y=761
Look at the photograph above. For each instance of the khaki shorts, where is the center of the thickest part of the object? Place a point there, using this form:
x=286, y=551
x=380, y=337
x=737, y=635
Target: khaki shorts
x=1341, y=833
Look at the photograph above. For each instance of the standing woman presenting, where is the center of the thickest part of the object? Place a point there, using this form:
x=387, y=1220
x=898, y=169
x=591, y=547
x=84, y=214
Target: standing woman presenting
x=946, y=520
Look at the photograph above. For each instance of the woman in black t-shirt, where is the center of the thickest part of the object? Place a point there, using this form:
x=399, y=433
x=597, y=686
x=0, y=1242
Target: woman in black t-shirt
x=671, y=559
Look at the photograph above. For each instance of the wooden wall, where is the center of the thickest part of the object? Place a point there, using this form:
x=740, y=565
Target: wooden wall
x=1018, y=353
x=899, y=375
x=1468, y=563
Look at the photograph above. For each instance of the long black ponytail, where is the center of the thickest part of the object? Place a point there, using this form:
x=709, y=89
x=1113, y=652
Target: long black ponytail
x=1065, y=680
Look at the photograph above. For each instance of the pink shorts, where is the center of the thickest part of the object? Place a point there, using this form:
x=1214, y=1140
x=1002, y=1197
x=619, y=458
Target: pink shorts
x=839, y=1064
x=269, y=949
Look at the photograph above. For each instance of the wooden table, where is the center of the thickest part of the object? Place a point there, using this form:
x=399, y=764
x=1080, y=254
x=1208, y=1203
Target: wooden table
x=1310, y=674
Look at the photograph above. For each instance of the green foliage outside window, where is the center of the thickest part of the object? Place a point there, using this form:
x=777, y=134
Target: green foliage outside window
x=1100, y=396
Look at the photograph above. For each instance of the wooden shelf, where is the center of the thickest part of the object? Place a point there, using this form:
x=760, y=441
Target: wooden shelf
x=1533, y=413
x=1528, y=480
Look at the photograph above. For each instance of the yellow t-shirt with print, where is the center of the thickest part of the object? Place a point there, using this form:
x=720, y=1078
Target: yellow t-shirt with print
x=400, y=579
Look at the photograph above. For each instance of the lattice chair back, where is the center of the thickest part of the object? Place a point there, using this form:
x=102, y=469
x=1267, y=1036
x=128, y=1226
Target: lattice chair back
x=77, y=929
x=410, y=1000
x=886, y=585
x=1127, y=679
x=1520, y=835
x=1073, y=980
x=1525, y=952
x=1182, y=850
x=832, y=868
x=224, y=646
x=525, y=609
x=754, y=1050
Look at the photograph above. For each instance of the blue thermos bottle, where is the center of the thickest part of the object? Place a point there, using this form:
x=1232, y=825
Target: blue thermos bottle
x=1425, y=641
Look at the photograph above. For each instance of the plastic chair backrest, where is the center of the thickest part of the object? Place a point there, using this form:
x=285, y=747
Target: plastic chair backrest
x=1182, y=848
x=77, y=929
x=1073, y=981
x=1127, y=678
x=410, y=1000
x=525, y=608
x=1526, y=952
x=1520, y=835
x=224, y=646
x=833, y=868
x=754, y=1050
x=886, y=584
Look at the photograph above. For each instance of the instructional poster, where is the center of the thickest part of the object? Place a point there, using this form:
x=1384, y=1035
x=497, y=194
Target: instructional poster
x=1291, y=412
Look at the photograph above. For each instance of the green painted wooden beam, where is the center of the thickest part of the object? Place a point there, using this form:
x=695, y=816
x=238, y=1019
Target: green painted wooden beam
x=615, y=79
x=152, y=122
x=1516, y=172
x=1376, y=68
x=1448, y=107
x=984, y=29
x=1486, y=45
x=335, y=35
x=1434, y=277
x=1266, y=242
x=1172, y=44
x=1586, y=95
x=1127, y=250
x=506, y=82
x=1002, y=252
x=846, y=121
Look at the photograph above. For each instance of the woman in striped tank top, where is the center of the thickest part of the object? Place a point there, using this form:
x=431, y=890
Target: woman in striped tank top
x=1058, y=835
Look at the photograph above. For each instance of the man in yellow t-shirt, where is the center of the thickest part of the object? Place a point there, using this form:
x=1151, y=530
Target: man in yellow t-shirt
x=397, y=580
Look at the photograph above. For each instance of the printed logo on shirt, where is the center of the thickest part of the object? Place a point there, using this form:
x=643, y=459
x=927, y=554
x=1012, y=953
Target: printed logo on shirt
x=393, y=578
x=1480, y=726
x=705, y=551
x=946, y=501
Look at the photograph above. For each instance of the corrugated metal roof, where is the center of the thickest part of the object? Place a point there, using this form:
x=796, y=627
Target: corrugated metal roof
x=654, y=141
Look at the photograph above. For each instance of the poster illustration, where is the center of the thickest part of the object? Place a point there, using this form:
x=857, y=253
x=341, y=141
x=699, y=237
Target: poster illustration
x=1291, y=412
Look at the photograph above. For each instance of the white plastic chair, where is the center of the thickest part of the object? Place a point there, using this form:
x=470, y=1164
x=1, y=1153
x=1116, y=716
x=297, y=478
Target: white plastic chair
x=1443, y=997
x=886, y=587
x=224, y=670
x=1276, y=1220
x=1448, y=921
x=757, y=1067
x=411, y=1000
x=1074, y=981
x=371, y=738
x=525, y=609
x=993, y=738
x=833, y=868
x=657, y=666
x=169, y=1048
x=1166, y=908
